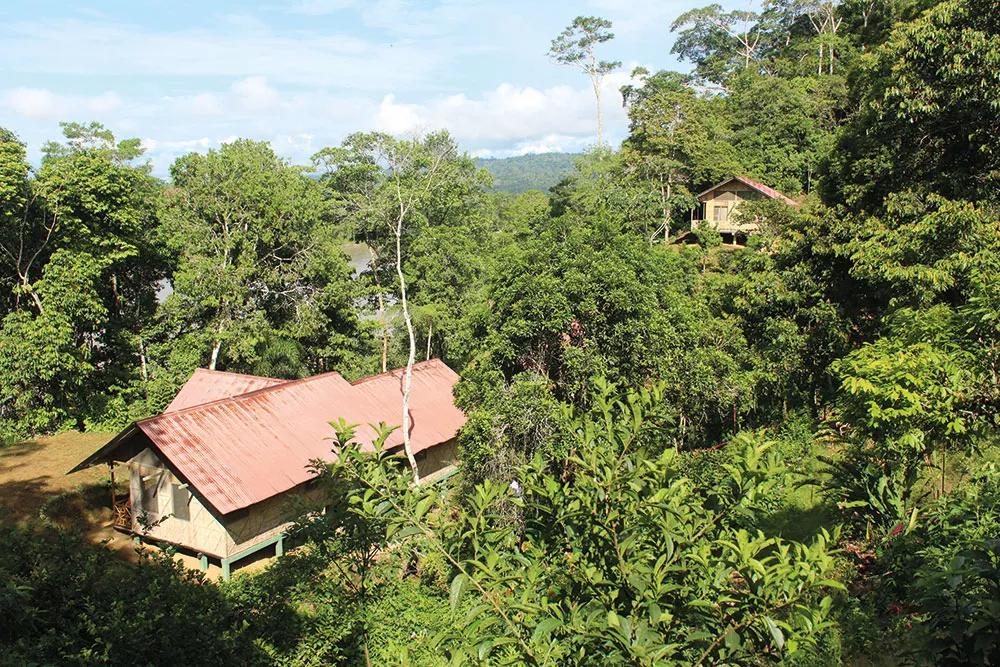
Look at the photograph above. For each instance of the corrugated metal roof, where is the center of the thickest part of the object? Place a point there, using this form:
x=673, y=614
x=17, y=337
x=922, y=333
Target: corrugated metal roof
x=756, y=185
x=206, y=386
x=240, y=450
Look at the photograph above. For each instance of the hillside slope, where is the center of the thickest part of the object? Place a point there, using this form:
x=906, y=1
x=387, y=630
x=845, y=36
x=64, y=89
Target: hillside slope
x=528, y=172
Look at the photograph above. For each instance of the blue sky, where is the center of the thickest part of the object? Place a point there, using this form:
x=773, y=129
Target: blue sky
x=302, y=74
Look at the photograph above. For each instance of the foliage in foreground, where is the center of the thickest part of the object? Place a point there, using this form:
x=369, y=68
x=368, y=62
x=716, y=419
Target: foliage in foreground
x=932, y=588
x=303, y=610
x=616, y=554
x=66, y=602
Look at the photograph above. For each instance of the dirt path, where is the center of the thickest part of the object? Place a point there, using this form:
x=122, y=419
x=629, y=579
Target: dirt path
x=34, y=483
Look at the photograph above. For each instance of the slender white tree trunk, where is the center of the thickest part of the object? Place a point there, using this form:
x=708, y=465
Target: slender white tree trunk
x=215, y=355
x=666, y=210
x=408, y=377
x=142, y=360
x=216, y=347
x=385, y=330
x=596, y=81
x=38, y=302
x=381, y=310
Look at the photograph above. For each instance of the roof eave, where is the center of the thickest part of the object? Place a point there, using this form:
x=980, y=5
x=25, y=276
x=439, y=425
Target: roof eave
x=101, y=455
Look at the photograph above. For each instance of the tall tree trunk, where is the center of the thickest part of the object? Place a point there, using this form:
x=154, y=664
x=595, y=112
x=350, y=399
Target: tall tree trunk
x=663, y=208
x=38, y=302
x=217, y=346
x=215, y=355
x=430, y=333
x=26, y=287
x=408, y=377
x=600, y=117
x=666, y=210
x=381, y=308
x=142, y=360
x=385, y=330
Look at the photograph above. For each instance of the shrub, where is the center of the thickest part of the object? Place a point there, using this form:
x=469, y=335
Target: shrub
x=943, y=578
x=65, y=601
x=618, y=554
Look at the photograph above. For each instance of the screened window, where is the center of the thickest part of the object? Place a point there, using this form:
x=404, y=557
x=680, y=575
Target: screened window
x=181, y=500
x=150, y=493
x=720, y=213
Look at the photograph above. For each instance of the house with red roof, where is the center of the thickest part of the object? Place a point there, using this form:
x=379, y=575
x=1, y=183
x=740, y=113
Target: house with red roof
x=718, y=205
x=218, y=473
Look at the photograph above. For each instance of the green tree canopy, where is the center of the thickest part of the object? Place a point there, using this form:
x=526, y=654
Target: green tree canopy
x=258, y=259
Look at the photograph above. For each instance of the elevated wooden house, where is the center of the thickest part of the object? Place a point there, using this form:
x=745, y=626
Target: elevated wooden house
x=219, y=473
x=717, y=207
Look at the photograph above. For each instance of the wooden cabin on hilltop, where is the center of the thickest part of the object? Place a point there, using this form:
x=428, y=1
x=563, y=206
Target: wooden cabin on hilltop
x=717, y=207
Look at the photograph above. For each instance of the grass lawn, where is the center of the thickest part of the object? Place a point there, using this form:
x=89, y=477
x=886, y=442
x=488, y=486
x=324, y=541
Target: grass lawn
x=34, y=485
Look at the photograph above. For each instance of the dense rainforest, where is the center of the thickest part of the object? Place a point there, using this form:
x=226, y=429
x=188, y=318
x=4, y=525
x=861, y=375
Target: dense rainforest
x=784, y=452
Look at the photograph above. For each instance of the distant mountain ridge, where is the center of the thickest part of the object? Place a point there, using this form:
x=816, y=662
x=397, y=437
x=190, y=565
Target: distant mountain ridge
x=535, y=171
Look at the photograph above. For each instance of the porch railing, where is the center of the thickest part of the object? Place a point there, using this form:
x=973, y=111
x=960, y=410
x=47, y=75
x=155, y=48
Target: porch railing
x=122, y=510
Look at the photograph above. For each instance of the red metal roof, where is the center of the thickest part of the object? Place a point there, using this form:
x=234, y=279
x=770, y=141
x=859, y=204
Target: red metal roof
x=206, y=386
x=756, y=185
x=240, y=450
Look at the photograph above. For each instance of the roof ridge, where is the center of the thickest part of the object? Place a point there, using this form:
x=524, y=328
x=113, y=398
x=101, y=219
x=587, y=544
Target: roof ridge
x=231, y=399
x=421, y=364
x=242, y=375
x=756, y=185
x=764, y=187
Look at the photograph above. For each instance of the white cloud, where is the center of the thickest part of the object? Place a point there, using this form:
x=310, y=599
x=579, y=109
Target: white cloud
x=33, y=103
x=43, y=104
x=104, y=103
x=254, y=93
x=396, y=118
x=183, y=145
x=550, y=143
x=279, y=75
x=205, y=104
x=541, y=119
x=506, y=120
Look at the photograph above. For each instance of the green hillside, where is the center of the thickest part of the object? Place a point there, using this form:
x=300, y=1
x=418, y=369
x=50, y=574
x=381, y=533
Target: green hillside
x=528, y=172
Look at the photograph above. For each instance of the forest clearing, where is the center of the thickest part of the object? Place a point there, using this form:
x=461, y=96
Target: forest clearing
x=33, y=473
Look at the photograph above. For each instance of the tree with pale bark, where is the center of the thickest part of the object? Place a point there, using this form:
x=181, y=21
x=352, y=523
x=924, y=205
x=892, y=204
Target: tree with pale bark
x=719, y=42
x=576, y=46
x=394, y=191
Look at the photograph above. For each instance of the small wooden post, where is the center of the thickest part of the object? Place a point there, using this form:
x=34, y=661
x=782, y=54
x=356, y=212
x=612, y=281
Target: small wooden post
x=111, y=472
x=203, y=562
x=279, y=546
x=225, y=569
